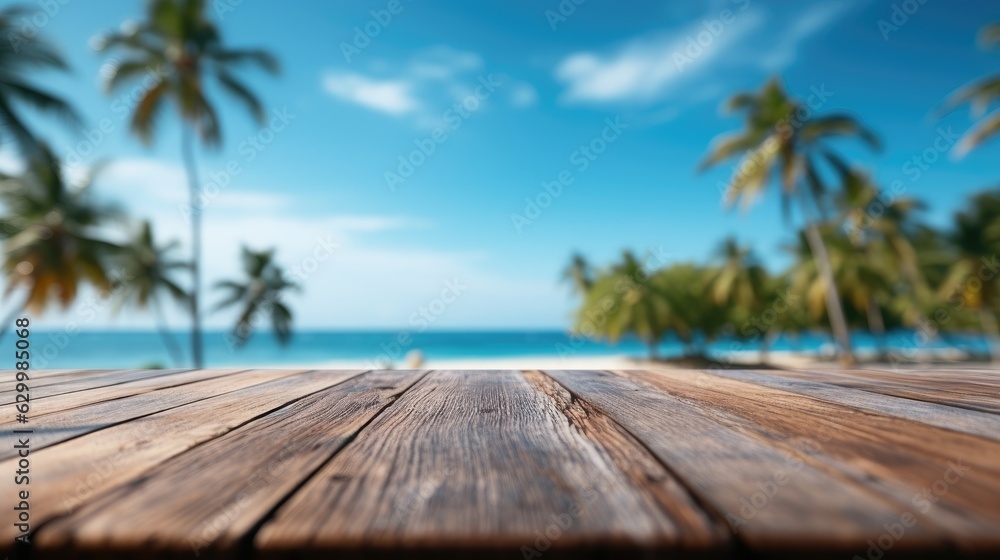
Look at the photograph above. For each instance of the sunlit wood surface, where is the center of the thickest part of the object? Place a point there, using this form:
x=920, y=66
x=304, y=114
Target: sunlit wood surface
x=874, y=463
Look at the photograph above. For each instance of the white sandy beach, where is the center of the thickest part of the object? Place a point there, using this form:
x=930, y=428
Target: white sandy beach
x=786, y=359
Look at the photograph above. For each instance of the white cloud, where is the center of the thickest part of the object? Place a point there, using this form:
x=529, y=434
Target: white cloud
x=807, y=24
x=363, y=284
x=651, y=68
x=424, y=86
x=523, y=95
x=394, y=97
x=647, y=67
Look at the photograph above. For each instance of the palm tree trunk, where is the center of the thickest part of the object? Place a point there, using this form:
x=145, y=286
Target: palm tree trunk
x=187, y=148
x=989, y=322
x=9, y=319
x=838, y=323
x=876, y=325
x=173, y=348
x=765, y=344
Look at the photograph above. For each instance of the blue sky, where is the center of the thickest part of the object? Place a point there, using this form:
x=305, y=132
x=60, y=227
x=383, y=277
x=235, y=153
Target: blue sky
x=555, y=84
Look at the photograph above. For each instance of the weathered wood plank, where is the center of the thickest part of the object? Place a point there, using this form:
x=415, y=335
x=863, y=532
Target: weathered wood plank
x=958, y=419
x=892, y=456
x=487, y=461
x=58, y=386
x=117, y=455
x=249, y=470
x=38, y=379
x=950, y=390
x=772, y=500
x=67, y=424
x=41, y=406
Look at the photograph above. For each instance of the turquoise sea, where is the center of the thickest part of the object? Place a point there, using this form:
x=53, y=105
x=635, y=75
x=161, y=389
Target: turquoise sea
x=119, y=349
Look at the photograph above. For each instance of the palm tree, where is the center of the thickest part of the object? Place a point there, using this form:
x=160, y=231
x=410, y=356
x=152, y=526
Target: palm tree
x=887, y=229
x=185, y=48
x=778, y=142
x=148, y=269
x=261, y=291
x=976, y=240
x=739, y=279
x=740, y=284
x=48, y=246
x=695, y=317
x=980, y=95
x=18, y=56
x=626, y=299
x=579, y=274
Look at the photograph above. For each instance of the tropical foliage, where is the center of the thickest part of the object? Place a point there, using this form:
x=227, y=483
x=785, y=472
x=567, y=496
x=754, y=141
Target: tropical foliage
x=147, y=275
x=179, y=43
x=56, y=237
x=259, y=293
x=50, y=246
x=784, y=140
x=20, y=55
x=893, y=273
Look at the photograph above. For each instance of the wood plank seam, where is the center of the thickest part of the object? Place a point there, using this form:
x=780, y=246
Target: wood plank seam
x=245, y=548
x=581, y=415
x=166, y=373
x=138, y=382
x=963, y=421
x=888, y=387
x=106, y=467
x=138, y=416
x=825, y=448
x=717, y=517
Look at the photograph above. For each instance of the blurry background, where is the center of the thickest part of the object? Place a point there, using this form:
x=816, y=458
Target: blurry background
x=424, y=173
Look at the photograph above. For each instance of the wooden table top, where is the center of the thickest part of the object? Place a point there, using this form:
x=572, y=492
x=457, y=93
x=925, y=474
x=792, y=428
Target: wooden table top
x=508, y=464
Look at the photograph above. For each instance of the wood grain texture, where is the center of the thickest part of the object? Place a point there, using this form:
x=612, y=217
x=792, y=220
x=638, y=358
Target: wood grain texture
x=772, y=499
x=41, y=406
x=59, y=386
x=668, y=463
x=41, y=376
x=962, y=391
x=951, y=418
x=61, y=426
x=249, y=470
x=119, y=454
x=471, y=460
x=894, y=457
